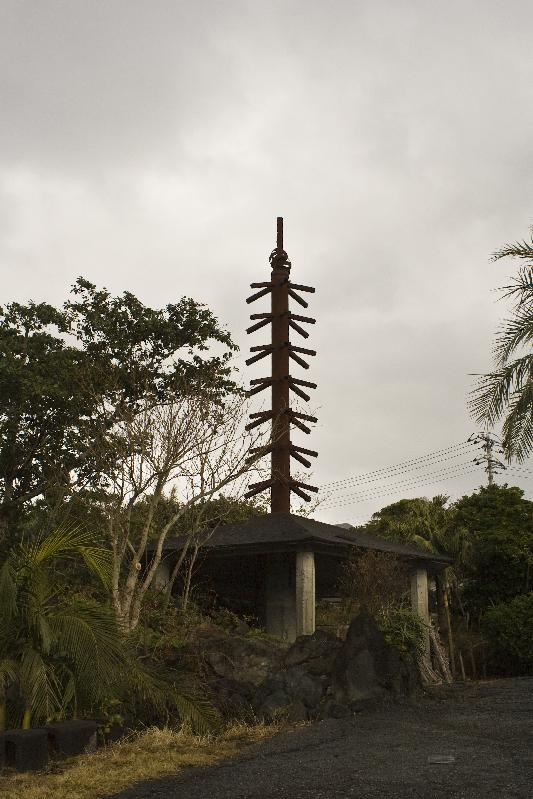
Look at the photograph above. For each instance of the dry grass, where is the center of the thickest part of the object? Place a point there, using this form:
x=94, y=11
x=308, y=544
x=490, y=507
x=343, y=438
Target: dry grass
x=146, y=755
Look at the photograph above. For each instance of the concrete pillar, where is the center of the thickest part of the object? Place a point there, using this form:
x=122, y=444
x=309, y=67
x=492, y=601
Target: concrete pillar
x=280, y=604
x=305, y=593
x=419, y=597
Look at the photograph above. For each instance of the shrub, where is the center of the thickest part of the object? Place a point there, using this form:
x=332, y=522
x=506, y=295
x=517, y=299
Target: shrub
x=508, y=628
x=374, y=579
x=404, y=629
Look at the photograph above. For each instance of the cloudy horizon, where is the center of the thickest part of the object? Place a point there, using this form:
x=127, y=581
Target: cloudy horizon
x=149, y=146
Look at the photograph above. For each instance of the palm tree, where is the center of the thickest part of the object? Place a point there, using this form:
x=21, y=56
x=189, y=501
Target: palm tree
x=508, y=390
x=65, y=653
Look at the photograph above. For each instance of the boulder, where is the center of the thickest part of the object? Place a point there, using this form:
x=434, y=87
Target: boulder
x=316, y=653
x=231, y=698
x=333, y=710
x=292, y=691
x=233, y=657
x=367, y=669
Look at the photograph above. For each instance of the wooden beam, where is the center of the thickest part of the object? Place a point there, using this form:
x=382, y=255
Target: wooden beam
x=258, y=325
x=299, y=392
x=298, y=359
x=299, y=318
x=253, y=491
x=257, y=390
x=263, y=354
x=299, y=287
x=304, y=416
x=298, y=299
x=301, y=494
x=298, y=329
x=310, y=452
x=259, y=294
x=302, y=382
x=314, y=489
x=300, y=458
x=304, y=350
x=301, y=426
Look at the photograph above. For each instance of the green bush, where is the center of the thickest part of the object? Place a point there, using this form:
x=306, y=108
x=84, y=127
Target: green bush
x=403, y=629
x=508, y=628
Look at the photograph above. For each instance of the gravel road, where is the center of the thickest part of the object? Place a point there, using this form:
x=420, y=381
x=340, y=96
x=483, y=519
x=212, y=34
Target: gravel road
x=387, y=753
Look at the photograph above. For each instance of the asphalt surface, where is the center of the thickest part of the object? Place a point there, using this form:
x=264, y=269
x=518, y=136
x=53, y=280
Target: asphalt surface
x=485, y=730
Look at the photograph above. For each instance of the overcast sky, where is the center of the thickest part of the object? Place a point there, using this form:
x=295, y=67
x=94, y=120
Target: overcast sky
x=149, y=145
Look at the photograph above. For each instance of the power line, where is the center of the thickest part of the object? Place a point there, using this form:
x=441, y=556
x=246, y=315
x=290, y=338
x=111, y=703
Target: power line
x=449, y=473
x=415, y=478
x=399, y=466
x=399, y=473
x=391, y=493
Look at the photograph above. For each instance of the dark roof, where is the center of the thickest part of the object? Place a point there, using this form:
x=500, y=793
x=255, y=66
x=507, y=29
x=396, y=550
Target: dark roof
x=279, y=531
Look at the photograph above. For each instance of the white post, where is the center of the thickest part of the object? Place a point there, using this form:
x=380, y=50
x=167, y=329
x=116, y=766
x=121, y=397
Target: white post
x=419, y=598
x=305, y=593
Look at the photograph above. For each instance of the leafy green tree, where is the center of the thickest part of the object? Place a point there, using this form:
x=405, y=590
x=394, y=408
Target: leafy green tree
x=508, y=628
x=507, y=392
x=68, y=375
x=496, y=524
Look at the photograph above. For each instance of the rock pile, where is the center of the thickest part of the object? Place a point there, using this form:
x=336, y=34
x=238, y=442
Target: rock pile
x=318, y=676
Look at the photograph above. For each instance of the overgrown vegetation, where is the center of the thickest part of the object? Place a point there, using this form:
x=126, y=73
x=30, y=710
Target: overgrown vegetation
x=152, y=753
x=490, y=536
x=63, y=655
x=509, y=631
x=379, y=582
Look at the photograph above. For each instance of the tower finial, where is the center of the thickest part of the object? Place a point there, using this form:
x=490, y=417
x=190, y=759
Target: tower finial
x=279, y=237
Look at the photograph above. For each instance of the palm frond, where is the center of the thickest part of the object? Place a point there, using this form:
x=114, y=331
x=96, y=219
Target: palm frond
x=517, y=429
x=8, y=592
x=87, y=636
x=520, y=249
x=517, y=332
x=68, y=541
x=9, y=668
x=196, y=711
x=521, y=287
x=39, y=685
x=494, y=390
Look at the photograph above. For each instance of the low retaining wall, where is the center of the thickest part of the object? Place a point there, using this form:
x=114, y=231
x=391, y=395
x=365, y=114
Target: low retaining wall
x=30, y=750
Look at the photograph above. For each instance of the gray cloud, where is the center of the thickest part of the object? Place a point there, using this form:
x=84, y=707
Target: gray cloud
x=150, y=146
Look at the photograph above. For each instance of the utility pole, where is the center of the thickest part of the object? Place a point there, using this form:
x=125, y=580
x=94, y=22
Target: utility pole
x=488, y=442
x=281, y=415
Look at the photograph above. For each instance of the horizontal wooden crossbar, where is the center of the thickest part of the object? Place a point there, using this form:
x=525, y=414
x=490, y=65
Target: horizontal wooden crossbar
x=299, y=287
x=258, y=296
x=298, y=299
x=298, y=329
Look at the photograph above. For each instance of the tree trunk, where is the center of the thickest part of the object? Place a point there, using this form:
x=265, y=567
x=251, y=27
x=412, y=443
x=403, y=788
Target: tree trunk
x=26, y=719
x=3, y=710
x=441, y=609
x=451, y=646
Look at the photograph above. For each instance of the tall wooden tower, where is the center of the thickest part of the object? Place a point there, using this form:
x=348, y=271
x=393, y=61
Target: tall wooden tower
x=281, y=416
